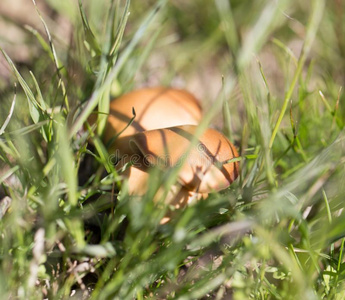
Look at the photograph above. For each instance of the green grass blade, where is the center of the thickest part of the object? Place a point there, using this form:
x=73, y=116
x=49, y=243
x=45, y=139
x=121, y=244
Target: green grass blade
x=121, y=29
x=61, y=83
x=93, y=101
x=313, y=25
x=3, y=127
x=66, y=162
x=269, y=18
x=90, y=37
x=34, y=106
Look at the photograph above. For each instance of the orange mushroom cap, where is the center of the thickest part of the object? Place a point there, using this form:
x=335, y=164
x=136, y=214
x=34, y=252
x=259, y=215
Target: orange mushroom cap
x=155, y=108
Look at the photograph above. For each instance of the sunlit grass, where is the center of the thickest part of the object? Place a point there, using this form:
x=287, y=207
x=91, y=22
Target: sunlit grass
x=276, y=233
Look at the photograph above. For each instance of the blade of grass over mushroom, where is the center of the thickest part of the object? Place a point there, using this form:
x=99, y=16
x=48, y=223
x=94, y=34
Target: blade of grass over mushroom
x=109, y=143
x=113, y=73
x=206, y=120
x=312, y=27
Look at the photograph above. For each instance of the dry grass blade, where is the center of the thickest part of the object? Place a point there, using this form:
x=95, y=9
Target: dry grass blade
x=3, y=127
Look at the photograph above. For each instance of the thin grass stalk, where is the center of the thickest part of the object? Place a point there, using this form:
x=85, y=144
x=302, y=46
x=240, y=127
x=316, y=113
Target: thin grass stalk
x=56, y=61
x=114, y=72
x=312, y=27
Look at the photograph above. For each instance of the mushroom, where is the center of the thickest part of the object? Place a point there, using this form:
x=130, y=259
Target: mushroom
x=205, y=167
x=159, y=138
x=155, y=108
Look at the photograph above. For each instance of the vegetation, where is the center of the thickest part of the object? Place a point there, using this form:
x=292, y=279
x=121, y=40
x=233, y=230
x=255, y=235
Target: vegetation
x=273, y=71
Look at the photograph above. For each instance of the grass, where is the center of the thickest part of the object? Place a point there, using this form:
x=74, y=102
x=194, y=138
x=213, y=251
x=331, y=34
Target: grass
x=274, y=70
